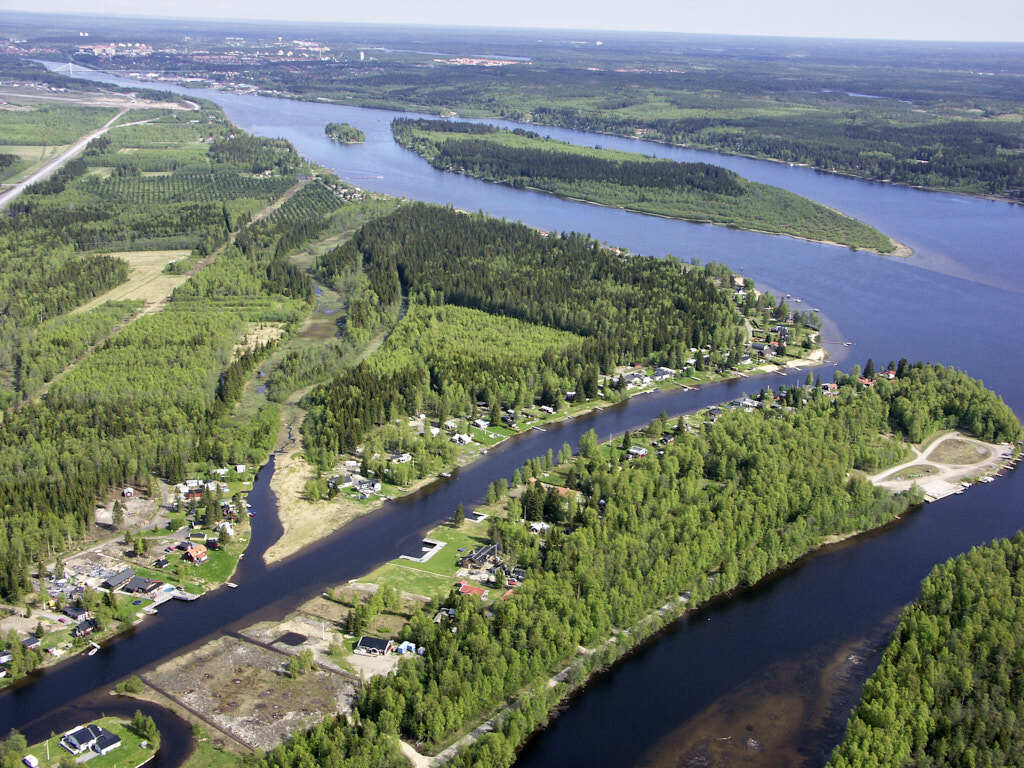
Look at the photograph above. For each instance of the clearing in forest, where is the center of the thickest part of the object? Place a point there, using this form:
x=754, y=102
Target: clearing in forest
x=146, y=281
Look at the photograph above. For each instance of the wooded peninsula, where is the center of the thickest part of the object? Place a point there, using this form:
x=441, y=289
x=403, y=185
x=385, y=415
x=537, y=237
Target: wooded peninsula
x=693, y=191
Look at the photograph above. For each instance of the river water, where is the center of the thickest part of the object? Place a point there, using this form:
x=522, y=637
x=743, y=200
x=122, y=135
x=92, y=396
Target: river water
x=766, y=677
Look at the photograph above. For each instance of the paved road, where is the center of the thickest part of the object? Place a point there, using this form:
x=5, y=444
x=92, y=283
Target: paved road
x=57, y=162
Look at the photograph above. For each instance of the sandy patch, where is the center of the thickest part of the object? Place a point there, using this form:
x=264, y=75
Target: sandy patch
x=259, y=333
x=304, y=521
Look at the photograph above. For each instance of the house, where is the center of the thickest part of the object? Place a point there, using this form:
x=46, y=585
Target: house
x=539, y=527
x=747, y=404
x=547, y=409
x=663, y=374
x=141, y=585
x=84, y=628
x=75, y=614
x=106, y=742
x=197, y=553
x=374, y=646
x=403, y=458
x=366, y=487
x=481, y=423
x=638, y=451
x=240, y=469
x=225, y=526
x=128, y=493
x=406, y=647
x=31, y=642
x=866, y=382
x=435, y=431
x=450, y=425
x=118, y=580
x=163, y=562
x=79, y=740
x=460, y=439
x=482, y=556
x=890, y=375
x=466, y=588
x=831, y=388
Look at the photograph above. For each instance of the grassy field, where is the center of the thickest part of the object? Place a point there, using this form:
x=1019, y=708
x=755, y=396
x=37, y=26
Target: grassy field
x=130, y=754
x=207, y=755
x=147, y=280
x=31, y=158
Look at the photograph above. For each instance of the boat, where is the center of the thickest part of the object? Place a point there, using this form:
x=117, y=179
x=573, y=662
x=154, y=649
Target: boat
x=231, y=585
x=446, y=474
x=92, y=651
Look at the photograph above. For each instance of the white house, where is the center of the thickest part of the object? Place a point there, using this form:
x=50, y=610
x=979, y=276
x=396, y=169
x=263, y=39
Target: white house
x=461, y=439
x=638, y=451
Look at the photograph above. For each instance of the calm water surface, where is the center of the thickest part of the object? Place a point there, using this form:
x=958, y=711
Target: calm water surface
x=767, y=676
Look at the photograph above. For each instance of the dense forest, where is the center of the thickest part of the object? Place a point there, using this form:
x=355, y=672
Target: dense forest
x=950, y=687
x=625, y=308
x=711, y=511
x=343, y=133
x=696, y=191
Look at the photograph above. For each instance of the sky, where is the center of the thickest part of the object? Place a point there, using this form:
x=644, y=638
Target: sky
x=979, y=20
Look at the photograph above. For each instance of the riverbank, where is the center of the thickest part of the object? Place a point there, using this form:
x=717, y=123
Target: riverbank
x=305, y=521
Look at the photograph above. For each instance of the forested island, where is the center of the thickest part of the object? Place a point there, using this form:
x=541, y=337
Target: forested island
x=949, y=689
x=343, y=133
x=706, y=505
x=693, y=191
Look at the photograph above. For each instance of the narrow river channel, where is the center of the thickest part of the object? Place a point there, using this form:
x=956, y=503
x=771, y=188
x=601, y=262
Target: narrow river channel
x=768, y=675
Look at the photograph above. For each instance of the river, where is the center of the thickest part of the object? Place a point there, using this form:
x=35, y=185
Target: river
x=769, y=674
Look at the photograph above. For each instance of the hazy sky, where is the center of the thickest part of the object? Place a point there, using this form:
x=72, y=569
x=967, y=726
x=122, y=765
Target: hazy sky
x=900, y=19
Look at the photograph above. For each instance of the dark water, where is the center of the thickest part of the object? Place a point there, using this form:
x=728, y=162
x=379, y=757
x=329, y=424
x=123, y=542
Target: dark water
x=957, y=301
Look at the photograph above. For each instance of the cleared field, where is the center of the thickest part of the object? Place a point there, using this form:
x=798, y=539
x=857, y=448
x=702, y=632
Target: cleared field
x=914, y=472
x=32, y=158
x=955, y=451
x=147, y=280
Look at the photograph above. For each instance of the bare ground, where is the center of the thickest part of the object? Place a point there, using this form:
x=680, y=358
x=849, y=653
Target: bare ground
x=243, y=688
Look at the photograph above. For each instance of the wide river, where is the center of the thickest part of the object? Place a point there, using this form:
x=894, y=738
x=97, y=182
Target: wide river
x=766, y=677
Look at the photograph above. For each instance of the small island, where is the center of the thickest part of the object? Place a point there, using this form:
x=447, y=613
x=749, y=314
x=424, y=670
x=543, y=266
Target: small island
x=343, y=133
x=698, y=192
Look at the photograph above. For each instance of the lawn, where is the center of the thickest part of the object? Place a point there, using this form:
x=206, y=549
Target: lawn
x=130, y=754
x=436, y=576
